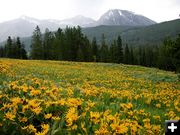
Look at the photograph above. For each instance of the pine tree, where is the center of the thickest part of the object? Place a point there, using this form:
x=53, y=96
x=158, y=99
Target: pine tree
x=80, y=54
x=23, y=53
x=127, y=55
x=149, y=56
x=165, y=59
x=113, y=52
x=88, y=49
x=2, y=51
x=140, y=55
x=132, y=61
x=14, y=49
x=18, y=47
x=50, y=52
x=94, y=50
x=9, y=48
x=144, y=57
x=59, y=46
x=103, y=50
x=120, y=49
x=37, y=47
x=176, y=53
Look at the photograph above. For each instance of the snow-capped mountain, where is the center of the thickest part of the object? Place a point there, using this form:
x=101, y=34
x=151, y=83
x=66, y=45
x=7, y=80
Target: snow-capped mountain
x=24, y=25
x=124, y=17
x=78, y=20
x=30, y=19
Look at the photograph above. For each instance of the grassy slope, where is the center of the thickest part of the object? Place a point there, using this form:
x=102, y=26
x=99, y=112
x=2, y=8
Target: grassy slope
x=99, y=92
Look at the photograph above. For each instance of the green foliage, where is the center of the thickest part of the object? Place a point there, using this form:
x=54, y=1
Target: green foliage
x=94, y=49
x=120, y=49
x=72, y=45
x=104, y=50
x=13, y=49
x=127, y=55
x=37, y=46
x=133, y=36
x=114, y=52
x=178, y=75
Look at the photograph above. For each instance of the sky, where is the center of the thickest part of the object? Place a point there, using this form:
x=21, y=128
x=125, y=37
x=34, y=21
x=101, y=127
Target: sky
x=157, y=10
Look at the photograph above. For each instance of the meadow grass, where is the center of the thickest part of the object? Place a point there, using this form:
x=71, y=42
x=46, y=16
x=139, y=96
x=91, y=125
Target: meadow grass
x=59, y=97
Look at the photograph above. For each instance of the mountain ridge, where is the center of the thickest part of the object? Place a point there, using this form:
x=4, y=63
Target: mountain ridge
x=131, y=35
x=124, y=17
x=24, y=26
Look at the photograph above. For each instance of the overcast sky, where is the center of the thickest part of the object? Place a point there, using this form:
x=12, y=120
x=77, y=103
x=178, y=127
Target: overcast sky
x=157, y=10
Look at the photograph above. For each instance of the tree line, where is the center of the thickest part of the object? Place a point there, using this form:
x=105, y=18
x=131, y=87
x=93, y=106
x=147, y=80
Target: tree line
x=13, y=49
x=72, y=45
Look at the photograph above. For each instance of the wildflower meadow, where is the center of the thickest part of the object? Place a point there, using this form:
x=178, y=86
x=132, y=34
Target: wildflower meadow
x=58, y=97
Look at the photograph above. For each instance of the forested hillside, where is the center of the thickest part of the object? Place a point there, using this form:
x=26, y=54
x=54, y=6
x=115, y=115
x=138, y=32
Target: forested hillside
x=72, y=45
x=132, y=35
x=152, y=35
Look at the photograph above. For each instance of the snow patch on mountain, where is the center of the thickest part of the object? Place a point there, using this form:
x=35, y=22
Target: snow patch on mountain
x=124, y=17
x=30, y=20
x=120, y=13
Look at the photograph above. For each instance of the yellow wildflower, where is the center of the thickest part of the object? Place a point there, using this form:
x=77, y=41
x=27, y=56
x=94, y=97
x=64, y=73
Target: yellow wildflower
x=10, y=116
x=158, y=105
x=95, y=117
x=48, y=116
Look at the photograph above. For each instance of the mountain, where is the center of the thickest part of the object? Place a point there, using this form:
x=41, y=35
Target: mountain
x=124, y=17
x=79, y=20
x=24, y=26
x=136, y=35
x=131, y=35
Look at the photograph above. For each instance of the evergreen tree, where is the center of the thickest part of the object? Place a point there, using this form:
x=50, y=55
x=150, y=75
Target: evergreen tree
x=14, y=49
x=68, y=43
x=94, y=50
x=127, y=55
x=59, y=46
x=80, y=54
x=87, y=49
x=2, y=51
x=18, y=48
x=149, y=56
x=140, y=56
x=49, y=51
x=165, y=59
x=176, y=53
x=37, y=51
x=103, y=50
x=9, y=48
x=143, y=57
x=23, y=53
x=120, y=49
x=113, y=52
x=132, y=60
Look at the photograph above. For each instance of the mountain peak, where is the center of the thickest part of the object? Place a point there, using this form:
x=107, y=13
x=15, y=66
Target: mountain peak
x=24, y=17
x=124, y=17
x=78, y=20
x=24, y=25
x=30, y=19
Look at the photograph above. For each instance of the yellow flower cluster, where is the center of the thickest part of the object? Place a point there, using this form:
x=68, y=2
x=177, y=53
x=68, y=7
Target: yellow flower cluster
x=48, y=97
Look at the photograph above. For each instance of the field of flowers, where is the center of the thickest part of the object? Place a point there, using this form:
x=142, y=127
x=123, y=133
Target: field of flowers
x=52, y=97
